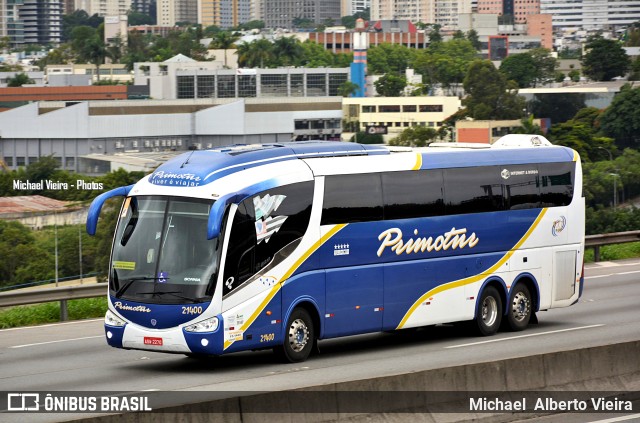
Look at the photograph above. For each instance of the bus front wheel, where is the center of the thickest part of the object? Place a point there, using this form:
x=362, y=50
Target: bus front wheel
x=299, y=337
x=489, y=313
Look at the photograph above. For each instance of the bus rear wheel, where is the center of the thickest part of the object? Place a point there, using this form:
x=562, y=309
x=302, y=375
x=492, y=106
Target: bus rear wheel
x=519, y=312
x=489, y=313
x=299, y=337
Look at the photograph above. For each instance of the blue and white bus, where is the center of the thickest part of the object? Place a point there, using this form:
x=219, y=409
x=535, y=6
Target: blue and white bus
x=281, y=245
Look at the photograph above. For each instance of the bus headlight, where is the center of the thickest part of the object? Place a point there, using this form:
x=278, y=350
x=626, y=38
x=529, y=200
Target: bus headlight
x=207, y=325
x=112, y=320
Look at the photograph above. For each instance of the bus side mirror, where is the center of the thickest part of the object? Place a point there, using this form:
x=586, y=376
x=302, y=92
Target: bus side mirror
x=214, y=224
x=98, y=202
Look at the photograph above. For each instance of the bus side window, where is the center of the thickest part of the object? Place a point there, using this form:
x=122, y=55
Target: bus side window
x=412, y=194
x=556, y=183
x=240, y=263
x=473, y=190
x=352, y=198
x=286, y=223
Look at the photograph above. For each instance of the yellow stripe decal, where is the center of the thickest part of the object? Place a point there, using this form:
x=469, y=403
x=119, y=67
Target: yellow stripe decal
x=418, y=164
x=576, y=156
x=475, y=278
x=286, y=276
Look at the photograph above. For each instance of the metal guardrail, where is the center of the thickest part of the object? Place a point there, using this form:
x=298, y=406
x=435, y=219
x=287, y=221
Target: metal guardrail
x=45, y=295
x=596, y=241
x=65, y=293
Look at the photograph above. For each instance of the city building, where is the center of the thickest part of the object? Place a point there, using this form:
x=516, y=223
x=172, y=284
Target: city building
x=342, y=42
x=498, y=41
x=32, y=22
x=518, y=9
x=85, y=74
x=115, y=30
x=281, y=13
x=351, y=7
x=104, y=7
x=184, y=78
x=489, y=131
x=391, y=115
x=591, y=14
x=85, y=136
x=11, y=98
x=224, y=13
x=148, y=7
x=170, y=12
x=414, y=11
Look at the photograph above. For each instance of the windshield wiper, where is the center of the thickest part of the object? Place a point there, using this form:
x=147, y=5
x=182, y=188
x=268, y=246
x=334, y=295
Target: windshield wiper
x=175, y=294
x=132, y=280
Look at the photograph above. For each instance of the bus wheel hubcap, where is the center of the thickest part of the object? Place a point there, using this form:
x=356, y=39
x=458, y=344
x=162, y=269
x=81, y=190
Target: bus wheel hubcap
x=520, y=307
x=489, y=311
x=298, y=335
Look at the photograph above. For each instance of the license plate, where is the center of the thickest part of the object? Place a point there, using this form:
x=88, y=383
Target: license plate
x=152, y=341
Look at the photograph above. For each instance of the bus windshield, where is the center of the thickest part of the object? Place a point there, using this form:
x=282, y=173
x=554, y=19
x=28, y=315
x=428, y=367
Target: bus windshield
x=161, y=253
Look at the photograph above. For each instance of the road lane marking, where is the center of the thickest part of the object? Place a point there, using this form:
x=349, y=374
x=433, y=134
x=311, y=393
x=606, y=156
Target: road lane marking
x=52, y=324
x=612, y=274
x=617, y=419
x=523, y=336
x=55, y=342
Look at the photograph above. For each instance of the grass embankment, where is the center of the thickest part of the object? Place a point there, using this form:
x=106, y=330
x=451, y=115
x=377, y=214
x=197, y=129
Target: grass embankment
x=38, y=314
x=615, y=252
x=96, y=307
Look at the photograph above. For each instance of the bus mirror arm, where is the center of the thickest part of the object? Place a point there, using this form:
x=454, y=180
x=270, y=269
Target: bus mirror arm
x=214, y=224
x=98, y=202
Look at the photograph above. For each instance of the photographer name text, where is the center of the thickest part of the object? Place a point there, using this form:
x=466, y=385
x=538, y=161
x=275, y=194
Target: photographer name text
x=55, y=185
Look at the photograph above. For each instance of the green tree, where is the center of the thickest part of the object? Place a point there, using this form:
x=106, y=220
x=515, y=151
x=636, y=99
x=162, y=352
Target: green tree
x=581, y=134
x=621, y=120
x=288, y=51
x=76, y=19
x=224, y=40
x=520, y=68
x=545, y=64
x=415, y=136
x=390, y=85
x=315, y=55
x=434, y=34
x=256, y=54
x=347, y=88
x=605, y=59
x=19, y=79
x=527, y=126
x=445, y=64
x=248, y=26
x=135, y=18
x=389, y=58
x=489, y=95
x=472, y=36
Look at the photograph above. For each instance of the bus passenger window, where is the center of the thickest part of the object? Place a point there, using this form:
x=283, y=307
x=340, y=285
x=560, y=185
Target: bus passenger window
x=352, y=198
x=412, y=194
x=556, y=183
x=473, y=190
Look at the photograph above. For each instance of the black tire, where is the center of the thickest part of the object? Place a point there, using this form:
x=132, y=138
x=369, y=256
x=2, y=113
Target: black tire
x=520, y=308
x=489, y=312
x=299, y=337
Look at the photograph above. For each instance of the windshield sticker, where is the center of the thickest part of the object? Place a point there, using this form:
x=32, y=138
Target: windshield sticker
x=124, y=265
x=266, y=228
x=266, y=205
x=162, y=277
x=125, y=207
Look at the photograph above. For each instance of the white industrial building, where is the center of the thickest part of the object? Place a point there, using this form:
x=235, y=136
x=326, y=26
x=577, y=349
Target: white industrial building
x=74, y=133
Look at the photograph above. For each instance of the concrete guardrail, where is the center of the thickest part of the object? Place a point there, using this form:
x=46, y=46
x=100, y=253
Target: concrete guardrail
x=433, y=395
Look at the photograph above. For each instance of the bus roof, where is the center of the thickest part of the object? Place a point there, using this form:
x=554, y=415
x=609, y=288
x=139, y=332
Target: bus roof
x=203, y=167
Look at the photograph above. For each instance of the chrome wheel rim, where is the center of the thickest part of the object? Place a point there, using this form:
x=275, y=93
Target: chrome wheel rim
x=298, y=335
x=520, y=306
x=489, y=311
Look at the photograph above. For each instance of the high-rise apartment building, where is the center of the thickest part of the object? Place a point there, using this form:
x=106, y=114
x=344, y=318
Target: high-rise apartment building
x=351, y=7
x=32, y=21
x=442, y=12
x=519, y=9
x=592, y=14
x=281, y=13
x=169, y=12
x=143, y=6
x=104, y=7
x=224, y=13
